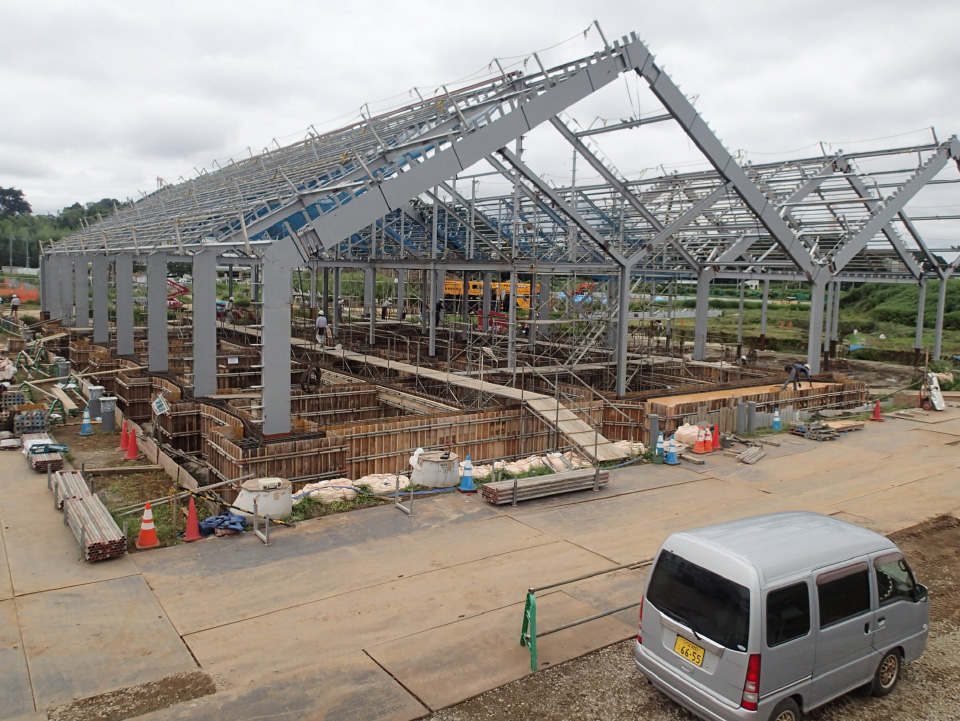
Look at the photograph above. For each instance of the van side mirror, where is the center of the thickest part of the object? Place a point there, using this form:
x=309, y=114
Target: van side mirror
x=919, y=593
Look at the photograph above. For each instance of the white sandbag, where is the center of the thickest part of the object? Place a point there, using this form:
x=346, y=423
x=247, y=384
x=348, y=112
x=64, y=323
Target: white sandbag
x=687, y=434
x=330, y=494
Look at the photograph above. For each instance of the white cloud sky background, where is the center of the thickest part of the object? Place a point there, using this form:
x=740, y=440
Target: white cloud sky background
x=99, y=98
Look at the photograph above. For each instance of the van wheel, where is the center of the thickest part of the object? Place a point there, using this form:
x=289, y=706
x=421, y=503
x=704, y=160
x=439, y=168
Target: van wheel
x=887, y=675
x=786, y=710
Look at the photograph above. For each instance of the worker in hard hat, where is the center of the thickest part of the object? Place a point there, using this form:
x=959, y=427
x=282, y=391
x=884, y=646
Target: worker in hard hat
x=794, y=372
x=321, y=328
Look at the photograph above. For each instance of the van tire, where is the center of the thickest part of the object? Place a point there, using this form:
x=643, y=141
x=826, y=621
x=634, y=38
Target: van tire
x=888, y=673
x=786, y=710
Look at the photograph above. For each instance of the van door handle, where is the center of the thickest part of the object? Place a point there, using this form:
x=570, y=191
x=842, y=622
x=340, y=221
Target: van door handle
x=866, y=627
x=880, y=621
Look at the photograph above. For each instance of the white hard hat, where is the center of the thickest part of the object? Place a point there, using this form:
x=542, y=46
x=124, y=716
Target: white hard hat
x=807, y=366
x=319, y=312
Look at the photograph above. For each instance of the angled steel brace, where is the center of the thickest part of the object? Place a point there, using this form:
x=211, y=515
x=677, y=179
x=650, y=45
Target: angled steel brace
x=888, y=230
x=908, y=224
x=743, y=244
x=696, y=210
x=622, y=189
x=559, y=202
x=699, y=132
x=466, y=224
x=884, y=212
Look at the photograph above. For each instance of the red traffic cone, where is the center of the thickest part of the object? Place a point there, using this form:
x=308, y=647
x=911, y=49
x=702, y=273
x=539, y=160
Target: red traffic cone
x=698, y=447
x=123, y=436
x=716, y=436
x=790, y=324
x=148, y=532
x=781, y=324
x=707, y=440
x=193, y=526
x=876, y=412
x=132, y=452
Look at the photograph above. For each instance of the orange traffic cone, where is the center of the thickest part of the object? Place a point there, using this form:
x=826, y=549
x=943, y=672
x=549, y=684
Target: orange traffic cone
x=876, y=412
x=123, y=436
x=781, y=324
x=790, y=324
x=698, y=446
x=716, y=436
x=148, y=532
x=707, y=440
x=132, y=452
x=193, y=526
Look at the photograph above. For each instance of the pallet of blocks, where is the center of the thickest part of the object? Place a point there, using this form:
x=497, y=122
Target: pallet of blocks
x=502, y=492
x=97, y=533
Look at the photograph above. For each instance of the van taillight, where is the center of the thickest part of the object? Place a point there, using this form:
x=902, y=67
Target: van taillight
x=640, y=623
x=751, y=687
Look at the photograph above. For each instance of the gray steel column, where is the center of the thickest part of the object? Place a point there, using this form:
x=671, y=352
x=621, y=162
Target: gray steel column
x=465, y=306
x=401, y=294
x=938, y=328
x=81, y=275
x=275, y=353
x=918, y=340
x=325, y=301
x=827, y=315
x=313, y=286
x=101, y=301
x=740, y=317
x=123, y=272
x=431, y=311
x=205, y=324
x=66, y=290
x=44, y=293
x=426, y=294
x=157, y=345
x=229, y=280
x=487, y=292
x=54, y=303
x=815, y=338
x=763, y=307
x=533, y=313
x=512, y=322
x=336, y=303
x=702, y=314
x=836, y=311
x=623, y=334
x=370, y=301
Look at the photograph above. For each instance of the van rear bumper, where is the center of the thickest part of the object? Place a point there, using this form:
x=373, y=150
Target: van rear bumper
x=679, y=688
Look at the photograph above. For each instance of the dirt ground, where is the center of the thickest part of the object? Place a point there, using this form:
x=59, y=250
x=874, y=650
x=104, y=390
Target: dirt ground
x=874, y=373
x=605, y=684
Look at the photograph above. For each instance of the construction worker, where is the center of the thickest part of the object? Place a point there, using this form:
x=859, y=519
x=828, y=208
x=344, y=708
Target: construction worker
x=384, y=307
x=15, y=306
x=228, y=310
x=321, y=328
x=793, y=375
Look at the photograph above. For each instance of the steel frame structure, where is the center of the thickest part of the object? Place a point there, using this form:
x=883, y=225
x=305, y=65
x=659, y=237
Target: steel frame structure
x=388, y=193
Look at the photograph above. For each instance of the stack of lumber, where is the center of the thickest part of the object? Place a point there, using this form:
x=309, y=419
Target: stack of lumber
x=501, y=492
x=92, y=525
x=751, y=455
x=815, y=431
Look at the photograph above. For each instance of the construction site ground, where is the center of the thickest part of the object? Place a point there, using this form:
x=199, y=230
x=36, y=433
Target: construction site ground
x=376, y=615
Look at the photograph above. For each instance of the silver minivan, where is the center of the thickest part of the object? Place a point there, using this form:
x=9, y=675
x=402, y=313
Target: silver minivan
x=769, y=617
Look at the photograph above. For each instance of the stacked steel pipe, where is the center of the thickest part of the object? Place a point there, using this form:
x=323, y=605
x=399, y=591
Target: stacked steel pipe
x=96, y=531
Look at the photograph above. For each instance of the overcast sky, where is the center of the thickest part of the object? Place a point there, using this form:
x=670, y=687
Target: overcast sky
x=99, y=98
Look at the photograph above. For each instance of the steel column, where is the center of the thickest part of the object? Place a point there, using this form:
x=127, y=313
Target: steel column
x=836, y=311
x=763, y=309
x=740, y=317
x=623, y=331
x=101, y=305
x=815, y=339
x=401, y=294
x=81, y=288
x=157, y=345
x=702, y=315
x=370, y=302
x=918, y=339
x=487, y=292
x=512, y=322
x=277, y=280
x=66, y=290
x=44, y=285
x=52, y=285
x=336, y=303
x=123, y=273
x=205, y=324
x=432, y=313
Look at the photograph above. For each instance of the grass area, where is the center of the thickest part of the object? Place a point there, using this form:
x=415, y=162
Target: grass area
x=308, y=508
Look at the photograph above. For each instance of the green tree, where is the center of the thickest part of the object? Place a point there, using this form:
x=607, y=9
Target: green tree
x=13, y=204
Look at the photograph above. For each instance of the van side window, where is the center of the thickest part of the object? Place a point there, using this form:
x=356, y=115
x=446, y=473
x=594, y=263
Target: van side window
x=894, y=579
x=843, y=594
x=788, y=614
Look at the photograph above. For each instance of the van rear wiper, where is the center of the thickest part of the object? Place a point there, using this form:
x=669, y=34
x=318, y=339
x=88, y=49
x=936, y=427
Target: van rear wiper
x=686, y=622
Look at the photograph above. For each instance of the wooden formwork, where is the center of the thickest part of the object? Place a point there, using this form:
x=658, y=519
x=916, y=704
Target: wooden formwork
x=133, y=392
x=625, y=421
x=706, y=406
x=232, y=456
x=80, y=349
x=101, y=359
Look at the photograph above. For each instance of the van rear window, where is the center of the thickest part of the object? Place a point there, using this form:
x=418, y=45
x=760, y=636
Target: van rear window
x=713, y=606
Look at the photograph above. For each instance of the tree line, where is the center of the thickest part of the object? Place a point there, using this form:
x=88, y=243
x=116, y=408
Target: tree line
x=21, y=232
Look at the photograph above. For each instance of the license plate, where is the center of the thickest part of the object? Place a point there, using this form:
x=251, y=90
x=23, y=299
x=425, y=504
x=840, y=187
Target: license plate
x=690, y=651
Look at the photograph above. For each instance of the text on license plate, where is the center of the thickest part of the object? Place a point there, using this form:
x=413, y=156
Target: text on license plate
x=690, y=651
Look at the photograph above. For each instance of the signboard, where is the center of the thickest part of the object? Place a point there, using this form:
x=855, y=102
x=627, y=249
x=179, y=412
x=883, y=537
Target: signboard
x=160, y=405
